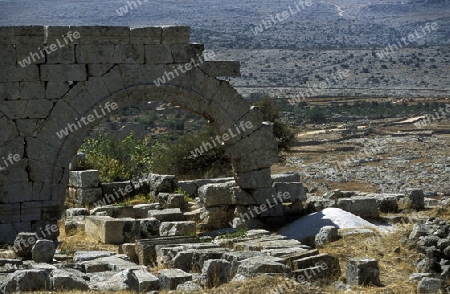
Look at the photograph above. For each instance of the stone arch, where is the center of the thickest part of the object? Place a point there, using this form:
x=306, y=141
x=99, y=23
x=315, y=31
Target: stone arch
x=110, y=64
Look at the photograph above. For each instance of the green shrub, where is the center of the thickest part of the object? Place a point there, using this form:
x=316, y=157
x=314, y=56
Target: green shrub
x=116, y=159
x=179, y=157
x=316, y=115
x=283, y=133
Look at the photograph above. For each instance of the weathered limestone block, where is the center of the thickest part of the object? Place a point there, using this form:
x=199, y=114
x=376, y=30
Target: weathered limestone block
x=254, y=179
x=318, y=203
x=8, y=54
x=254, y=266
x=112, y=231
x=192, y=260
x=222, y=68
x=23, y=243
x=363, y=271
x=216, y=217
x=216, y=194
x=149, y=35
x=160, y=53
x=22, y=35
x=150, y=227
x=189, y=187
x=110, y=53
x=32, y=90
x=84, y=179
x=162, y=183
x=286, y=177
x=175, y=34
x=84, y=196
x=28, y=280
x=146, y=281
x=328, y=265
x=16, y=73
x=184, y=52
x=184, y=228
x=169, y=279
x=359, y=205
x=295, y=191
x=141, y=210
x=169, y=200
x=326, y=235
x=67, y=280
x=215, y=272
x=416, y=198
x=63, y=72
x=430, y=285
x=170, y=214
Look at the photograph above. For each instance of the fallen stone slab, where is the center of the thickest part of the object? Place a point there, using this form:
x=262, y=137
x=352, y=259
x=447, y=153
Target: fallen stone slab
x=234, y=257
x=290, y=258
x=363, y=271
x=215, y=272
x=272, y=242
x=145, y=248
x=189, y=286
x=67, y=280
x=192, y=260
x=90, y=255
x=169, y=279
x=362, y=206
x=124, y=280
x=26, y=280
x=286, y=177
x=167, y=215
x=141, y=210
x=109, y=230
x=146, y=281
x=255, y=266
x=181, y=228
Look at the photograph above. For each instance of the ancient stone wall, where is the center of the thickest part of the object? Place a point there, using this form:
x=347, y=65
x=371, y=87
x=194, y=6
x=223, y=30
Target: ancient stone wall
x=57, y=83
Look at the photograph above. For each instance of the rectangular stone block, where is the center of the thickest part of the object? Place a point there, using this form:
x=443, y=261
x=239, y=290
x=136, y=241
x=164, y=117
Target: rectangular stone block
x=32, y=90
x=93, y=34
x=286, y=177
x=63, y=72
x=175, y=34
x=97, y=70
x=8, y=54
x=216, y=194
x=95, y=54
x=146, y=35
x=360, y=206
x=86, y=196
x=64, y=54
x=185, y=52
x=22, y=35
x=254, y=179
x=295, y=191
x=17, y=73
x=10, y=213
x=129, y=53
x=56, y=89
x=155, y=54
x=10, y=91
x=30, y=54
x=222, y=68
x=106, y=229
x=145, y=248
x=31, y=211
x=84, y=179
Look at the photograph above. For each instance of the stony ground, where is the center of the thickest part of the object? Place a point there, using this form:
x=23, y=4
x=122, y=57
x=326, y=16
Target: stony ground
x=388, y=160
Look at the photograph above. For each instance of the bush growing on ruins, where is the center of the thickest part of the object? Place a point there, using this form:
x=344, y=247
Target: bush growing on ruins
x=283, y=133
x=175, y=157
x=117, y=159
